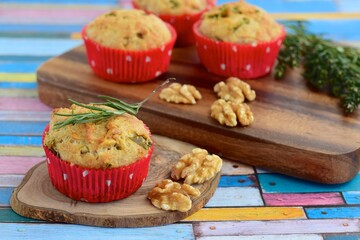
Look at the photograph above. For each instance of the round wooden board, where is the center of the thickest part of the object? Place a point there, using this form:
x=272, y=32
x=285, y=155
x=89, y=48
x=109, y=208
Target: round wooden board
x=36, y=198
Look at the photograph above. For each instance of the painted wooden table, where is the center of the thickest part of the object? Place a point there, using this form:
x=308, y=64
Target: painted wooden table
x=249, y=203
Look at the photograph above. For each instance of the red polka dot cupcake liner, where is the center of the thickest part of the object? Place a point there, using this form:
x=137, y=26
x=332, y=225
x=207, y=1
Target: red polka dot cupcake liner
x=96, y=185
x=128, y=66
x=183, y=24
x=245, y=61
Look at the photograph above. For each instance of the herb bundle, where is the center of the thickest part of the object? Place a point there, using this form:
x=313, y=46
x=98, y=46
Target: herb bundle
x=97, y=112
x=327, y=66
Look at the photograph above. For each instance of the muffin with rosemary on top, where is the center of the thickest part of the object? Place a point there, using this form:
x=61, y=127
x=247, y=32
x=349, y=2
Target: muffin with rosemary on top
x=181, y=14
x=242, y=39
x=121, y=42
x=98, y=161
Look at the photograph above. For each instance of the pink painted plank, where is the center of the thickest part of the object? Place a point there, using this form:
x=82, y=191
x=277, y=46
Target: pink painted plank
x=308, y=199
x=22, y=104
x=50, y=16
x=307, y=226
x=18, y=165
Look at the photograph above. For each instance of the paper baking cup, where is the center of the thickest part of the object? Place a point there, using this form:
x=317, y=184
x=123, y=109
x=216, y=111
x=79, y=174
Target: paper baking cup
x=96, y=185
x=245, y=61
x=128, y=66
x=182, y=24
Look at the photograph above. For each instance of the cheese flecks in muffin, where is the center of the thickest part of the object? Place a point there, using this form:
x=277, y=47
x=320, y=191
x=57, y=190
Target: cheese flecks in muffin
x=128, y=30
x=114, y=142
x=173, y=7
x=239, y=22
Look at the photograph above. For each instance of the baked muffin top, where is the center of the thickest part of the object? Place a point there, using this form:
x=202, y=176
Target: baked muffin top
x=239, y=22
x=172, y=7
x=114, y=142
x=128, y=29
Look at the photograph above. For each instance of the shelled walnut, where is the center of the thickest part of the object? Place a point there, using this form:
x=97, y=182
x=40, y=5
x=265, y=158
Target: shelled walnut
x=234, y=90
x=229, y=113
x=177, y=93
x=196, y=167
x=169, y=195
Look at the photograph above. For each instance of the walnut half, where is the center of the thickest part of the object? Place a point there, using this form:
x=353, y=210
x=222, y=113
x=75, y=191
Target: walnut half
x=177, y=93
x=196, y=167
x=234, y=90
x=229, y=113
x=169, y=195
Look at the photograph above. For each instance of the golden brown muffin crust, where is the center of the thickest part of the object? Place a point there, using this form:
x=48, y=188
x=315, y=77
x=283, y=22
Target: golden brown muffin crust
x=114, y=142
x=172, y=7
x=128, y=30
x=239, y=22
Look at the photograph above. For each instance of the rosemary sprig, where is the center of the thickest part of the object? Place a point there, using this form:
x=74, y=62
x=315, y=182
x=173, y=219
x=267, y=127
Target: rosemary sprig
x=98, y=113
x=327, y=66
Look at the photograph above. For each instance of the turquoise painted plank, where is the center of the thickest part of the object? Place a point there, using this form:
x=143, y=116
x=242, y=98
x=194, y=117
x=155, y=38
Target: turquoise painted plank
x=352, y=197
x=20, y=140
x=236, y=197
x=23, y=58
x=333, y=212
x=20, y=85
x=22, y=127
x=5, y=194
x=12, y=34
x=342, y=237
x=278, y=183
x=19, y=67
x=292, y=6
x=8, y=215
x=36, y=47
x=238, y=181
x=349, y=6
x=40, y=28
x=102, y=2
x=10, y=231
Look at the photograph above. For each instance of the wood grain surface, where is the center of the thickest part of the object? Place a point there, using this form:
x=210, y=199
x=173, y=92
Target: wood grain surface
x=37, y=198
x=297, y=130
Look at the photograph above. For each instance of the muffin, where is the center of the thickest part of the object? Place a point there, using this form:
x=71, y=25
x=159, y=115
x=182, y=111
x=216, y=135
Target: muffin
x=181, y=14
x=97, y=161
x=242, y=40
x=121, y=42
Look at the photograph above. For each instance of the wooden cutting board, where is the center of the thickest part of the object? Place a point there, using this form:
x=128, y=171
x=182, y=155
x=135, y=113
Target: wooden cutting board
x=297, y=131
x=36, y=198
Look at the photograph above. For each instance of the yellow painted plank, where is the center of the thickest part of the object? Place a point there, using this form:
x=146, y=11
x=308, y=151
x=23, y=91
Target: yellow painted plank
x=249, y=213
x=76, y=35
x=17, y=77
x=307, y=16
x=21, y=151
x=18, y=93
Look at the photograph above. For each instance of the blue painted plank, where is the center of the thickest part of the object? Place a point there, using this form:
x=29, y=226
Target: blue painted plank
x=24, y=28
x=19, y=67
x=102, y=2
x=342, y=237
x=21, y=85
x=20, y=140
x=349, y=6
x=352, y=197
x=278, y=183
x=238, y=181
x=292, y=6
x=22, y=128
x=333, y=212
x=36, y=47
x=10, y=231
x=236, y=197
x=23, y=58
x=5, y=194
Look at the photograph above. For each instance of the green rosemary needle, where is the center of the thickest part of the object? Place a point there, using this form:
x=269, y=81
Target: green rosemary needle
x=98, y=113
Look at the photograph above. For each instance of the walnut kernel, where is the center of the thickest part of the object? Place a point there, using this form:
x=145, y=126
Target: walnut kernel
x=234, y=90
x=169, y=195
x=196, y=167
x=178, y=93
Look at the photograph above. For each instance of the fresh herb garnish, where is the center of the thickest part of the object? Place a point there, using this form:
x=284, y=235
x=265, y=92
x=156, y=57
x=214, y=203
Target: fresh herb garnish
x=98, y=113
x=327, y=66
